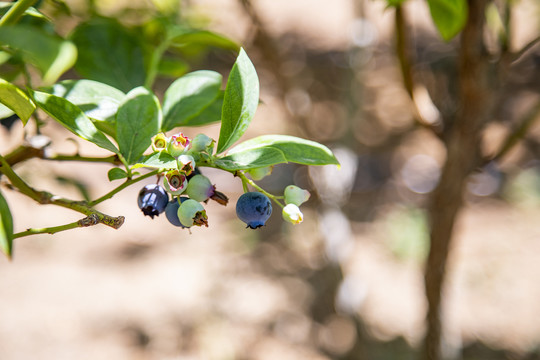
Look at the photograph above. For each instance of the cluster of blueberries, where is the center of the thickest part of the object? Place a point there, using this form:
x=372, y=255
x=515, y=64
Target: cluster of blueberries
x=254, y=208
x=189, y=188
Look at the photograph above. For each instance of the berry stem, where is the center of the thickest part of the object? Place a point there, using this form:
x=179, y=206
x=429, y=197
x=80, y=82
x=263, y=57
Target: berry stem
x=155, y=58
x=245, y=186
x=121, y=187
x=245, y=180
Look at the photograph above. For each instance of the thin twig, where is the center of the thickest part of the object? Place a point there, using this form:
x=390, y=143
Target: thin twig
x=519, y=132
x=116, y=190
x=113, y=159
x=84, y=222
x=404, y=57
x=26, y=152
x=517, y=55
x=45, y=198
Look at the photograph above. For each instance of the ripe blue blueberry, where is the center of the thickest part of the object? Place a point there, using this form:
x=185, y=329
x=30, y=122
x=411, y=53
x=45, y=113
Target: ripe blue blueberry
x=254, y=208
x=152, y=200
x=171, y=211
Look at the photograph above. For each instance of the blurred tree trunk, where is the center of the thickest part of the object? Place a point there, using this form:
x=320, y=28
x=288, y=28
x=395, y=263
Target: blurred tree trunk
x=478, y=84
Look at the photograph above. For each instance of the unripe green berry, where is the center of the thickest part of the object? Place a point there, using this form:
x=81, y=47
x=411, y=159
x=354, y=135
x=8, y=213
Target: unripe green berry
x=192, y=213
x=295, y=195
x=200, y=188
x=202, y=142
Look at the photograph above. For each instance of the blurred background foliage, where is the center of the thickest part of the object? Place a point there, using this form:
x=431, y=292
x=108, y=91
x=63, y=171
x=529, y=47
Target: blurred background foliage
x=345, y=284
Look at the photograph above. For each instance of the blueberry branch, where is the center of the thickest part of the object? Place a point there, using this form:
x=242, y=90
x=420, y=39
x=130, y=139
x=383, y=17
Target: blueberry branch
x=113, y=159
x=26, y=152
x=45, y=198
x=84, y=222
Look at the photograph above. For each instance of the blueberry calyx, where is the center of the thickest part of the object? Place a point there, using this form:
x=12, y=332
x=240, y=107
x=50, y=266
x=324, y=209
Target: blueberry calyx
x=191, y=213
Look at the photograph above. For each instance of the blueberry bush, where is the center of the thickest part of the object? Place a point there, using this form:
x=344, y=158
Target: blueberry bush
x=485, y=57
x=113, y=105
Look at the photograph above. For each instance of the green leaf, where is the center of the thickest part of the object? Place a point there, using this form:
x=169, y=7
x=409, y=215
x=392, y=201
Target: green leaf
x=138, y=119
x=72, y=118
x=188, y=97
x=270, y=150
x=182, y=37
x=99, y=101
x=240, y=101
x=109, y=53
x=49, y=53
x=449, y=16
x=173, y=67
x=211, y=114
x=15, y=99
x=5, y=112
x=116, y=173
x=157, y=160
x=6, y=227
